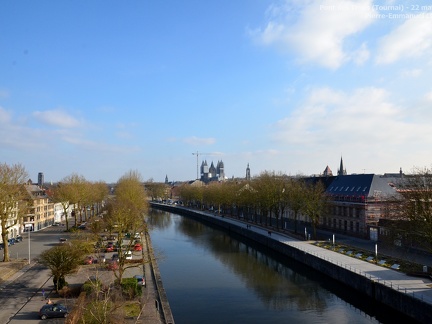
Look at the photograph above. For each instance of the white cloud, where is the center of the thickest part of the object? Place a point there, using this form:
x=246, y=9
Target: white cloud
x=199, y=141
x=5, y=116
x=335, y=116
x=411, y=73
x=412, y=39
x=364, y=125
x=58, y=118
x=320, y=32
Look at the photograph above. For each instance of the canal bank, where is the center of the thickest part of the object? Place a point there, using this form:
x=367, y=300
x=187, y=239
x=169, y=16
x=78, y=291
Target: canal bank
x=408, y=295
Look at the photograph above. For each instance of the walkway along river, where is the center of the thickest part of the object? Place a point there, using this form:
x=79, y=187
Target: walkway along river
x=217, y=277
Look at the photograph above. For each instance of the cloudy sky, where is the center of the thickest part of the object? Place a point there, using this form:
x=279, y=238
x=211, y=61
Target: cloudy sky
x=99, y=88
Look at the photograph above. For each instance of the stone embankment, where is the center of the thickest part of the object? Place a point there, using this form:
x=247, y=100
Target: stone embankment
x=409, y=296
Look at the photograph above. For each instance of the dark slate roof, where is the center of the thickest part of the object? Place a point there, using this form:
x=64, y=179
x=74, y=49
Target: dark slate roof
x=361, y=185
x=326, y=181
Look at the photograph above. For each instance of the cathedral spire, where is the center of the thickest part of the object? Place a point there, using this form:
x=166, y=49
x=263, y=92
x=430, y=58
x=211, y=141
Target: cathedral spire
x=341, y=170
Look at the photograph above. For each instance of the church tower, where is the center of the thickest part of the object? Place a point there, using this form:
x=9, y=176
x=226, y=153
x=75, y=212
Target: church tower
x=341, y=171
x=248, y=176
x=220, y=170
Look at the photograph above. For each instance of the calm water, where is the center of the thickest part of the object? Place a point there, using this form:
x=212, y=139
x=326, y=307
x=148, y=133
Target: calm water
x=212, y=277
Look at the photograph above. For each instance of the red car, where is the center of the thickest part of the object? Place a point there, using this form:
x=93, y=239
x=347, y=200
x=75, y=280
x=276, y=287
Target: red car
x=89, y=260
x=110, y=247
x=137, y=247
x=112, y=265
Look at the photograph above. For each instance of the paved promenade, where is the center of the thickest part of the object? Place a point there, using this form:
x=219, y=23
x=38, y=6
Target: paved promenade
x=420, y=288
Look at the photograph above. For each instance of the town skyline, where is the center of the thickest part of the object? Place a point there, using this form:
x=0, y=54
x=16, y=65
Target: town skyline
x=100, y=88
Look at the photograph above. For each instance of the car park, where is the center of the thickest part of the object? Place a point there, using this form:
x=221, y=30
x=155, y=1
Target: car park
x=53, y=310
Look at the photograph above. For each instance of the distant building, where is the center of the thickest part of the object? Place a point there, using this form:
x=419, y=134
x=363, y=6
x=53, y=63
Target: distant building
x=248, y=175
x=327, y=172
x=341, y=170
x=41, y=209
x=357, y=201
x=212, y=173
x=40, y=179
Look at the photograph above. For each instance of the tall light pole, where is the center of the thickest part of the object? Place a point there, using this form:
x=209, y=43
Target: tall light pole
x=29, y=245
x=28, y=226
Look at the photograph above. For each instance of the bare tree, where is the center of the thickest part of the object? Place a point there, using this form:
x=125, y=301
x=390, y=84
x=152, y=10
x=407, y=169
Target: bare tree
x=415, y=207
x=295, y=195
x=12, y=194
x=315, y=203
x=127, y=211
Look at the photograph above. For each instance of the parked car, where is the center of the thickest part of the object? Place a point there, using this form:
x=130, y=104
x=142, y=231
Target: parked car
x=112, y=265
x=11, y=241
x=110, y=247
x=140, y=279
x=128, y=255
x=18, y=239
x=89, y=260
x=53, y=310
x=101, y=259
x=137, y=247
x=115, y=257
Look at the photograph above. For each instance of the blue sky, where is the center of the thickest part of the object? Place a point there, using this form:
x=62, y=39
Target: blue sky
x=99, y=88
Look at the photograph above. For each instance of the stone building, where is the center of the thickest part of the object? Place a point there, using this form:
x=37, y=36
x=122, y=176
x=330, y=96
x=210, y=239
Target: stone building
x=212, y=173
x=41, y=209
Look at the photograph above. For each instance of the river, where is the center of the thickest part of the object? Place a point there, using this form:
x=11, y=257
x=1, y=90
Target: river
x=213, y=277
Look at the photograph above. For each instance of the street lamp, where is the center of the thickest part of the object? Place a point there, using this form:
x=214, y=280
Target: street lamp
x=28, y=226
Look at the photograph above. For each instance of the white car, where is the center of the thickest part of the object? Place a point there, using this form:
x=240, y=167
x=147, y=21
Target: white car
x=128, y=255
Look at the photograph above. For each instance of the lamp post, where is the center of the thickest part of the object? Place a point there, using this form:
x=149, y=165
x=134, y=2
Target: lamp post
x=376, y=253
x=29, y=245
x=28, y=226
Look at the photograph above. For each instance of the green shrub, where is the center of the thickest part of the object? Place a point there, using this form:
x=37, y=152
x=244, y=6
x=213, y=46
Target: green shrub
x=91, y=286
x=130, y=287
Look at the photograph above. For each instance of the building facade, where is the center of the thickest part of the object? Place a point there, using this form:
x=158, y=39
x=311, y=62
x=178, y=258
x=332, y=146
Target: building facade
x=41, y=209
x=212, y=173
x=357, y=202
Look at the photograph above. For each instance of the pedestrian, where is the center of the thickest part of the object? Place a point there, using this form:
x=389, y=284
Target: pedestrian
x=43, y=294
x=49, y=302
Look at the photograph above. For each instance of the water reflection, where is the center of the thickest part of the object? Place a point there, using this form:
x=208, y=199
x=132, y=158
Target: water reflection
x=214, y=277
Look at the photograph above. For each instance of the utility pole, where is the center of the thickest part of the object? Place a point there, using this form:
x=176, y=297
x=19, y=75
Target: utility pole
x=197, y=162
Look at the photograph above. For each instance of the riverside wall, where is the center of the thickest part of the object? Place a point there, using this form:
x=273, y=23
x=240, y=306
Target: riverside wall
x=162, y=299
x=404, y=303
